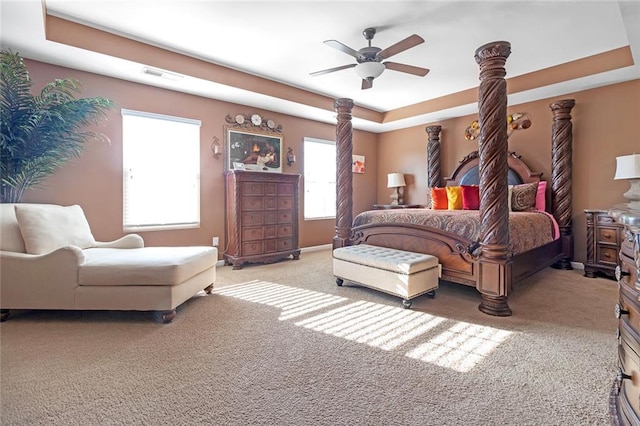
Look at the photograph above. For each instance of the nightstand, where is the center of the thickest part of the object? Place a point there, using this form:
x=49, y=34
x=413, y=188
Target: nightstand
x=604, y=237
x=397, y=206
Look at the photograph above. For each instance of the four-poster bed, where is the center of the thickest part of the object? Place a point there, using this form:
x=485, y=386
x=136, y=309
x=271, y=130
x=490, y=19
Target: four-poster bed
x=486, y=259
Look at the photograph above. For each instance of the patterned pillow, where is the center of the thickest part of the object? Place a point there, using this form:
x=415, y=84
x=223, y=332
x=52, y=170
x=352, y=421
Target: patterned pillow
x=439, y=199
x=470, y=197
x=454, y=196
x=523, y=197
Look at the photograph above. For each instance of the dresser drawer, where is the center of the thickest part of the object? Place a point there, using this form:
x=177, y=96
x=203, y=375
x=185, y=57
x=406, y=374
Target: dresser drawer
x=252, y=188
x=629, y=302
x=608, y=235
x=252, y=233
x=286, y=189
x=285, y=231
x=270, y=246
x=270, y=188
x=270, y=203
x=252, y=203
x=608, y=255
x=252, y=248
x=285, y=203
x=270, y=231
x=285, y=244
x=285, y=216
x=270, y=217
x=630, y=364
x=252, y=218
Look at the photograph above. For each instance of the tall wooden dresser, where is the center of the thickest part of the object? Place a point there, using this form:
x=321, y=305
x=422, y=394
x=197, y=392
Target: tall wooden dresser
x=262, y=217
x=624, y=400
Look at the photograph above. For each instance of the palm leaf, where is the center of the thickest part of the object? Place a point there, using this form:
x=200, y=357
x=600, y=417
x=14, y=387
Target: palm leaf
x=40, y=134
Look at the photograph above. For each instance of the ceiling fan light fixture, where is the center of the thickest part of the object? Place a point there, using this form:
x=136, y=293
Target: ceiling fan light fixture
x=366, y=70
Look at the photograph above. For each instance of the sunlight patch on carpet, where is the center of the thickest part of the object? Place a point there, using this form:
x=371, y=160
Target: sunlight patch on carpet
x=292, y=301
x=460, y=347
x=440, y=341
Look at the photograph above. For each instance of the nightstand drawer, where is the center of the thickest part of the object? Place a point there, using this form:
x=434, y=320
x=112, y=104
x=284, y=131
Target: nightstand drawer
x=608, y=255
x=608, y=235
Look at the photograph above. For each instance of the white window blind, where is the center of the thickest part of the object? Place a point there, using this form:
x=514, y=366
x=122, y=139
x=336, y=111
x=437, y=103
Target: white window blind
x=319, y=179
x=161, y=171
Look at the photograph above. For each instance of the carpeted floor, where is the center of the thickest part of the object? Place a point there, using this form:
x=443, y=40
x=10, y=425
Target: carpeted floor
x=281, y=344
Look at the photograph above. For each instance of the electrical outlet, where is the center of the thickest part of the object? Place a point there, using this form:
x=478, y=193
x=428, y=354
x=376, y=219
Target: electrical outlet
x=215, y=241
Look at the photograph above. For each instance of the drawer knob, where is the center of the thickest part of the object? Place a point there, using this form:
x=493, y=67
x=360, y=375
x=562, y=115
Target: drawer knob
x=607, y=255
x=619, y=311
x=607, y=236
x=621, y=375
x=620, y=273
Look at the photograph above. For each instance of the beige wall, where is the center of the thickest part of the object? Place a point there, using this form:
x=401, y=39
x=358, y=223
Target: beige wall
x=605, y=125
x=95, y=179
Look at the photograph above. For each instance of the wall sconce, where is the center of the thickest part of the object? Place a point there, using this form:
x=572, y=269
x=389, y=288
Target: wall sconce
x=216, y=148
x=628, y=167
x=291, y=157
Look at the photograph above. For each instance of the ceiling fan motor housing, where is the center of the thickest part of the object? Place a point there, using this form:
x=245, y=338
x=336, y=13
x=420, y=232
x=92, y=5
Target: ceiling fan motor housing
x=369, y=54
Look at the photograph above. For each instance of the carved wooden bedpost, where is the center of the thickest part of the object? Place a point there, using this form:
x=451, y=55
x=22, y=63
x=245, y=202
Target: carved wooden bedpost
x=344, y=175
x=494, y=270
x=561, y=167
x=434, y=179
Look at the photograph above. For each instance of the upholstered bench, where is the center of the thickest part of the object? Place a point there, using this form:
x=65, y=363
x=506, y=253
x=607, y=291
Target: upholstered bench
x=398, y=272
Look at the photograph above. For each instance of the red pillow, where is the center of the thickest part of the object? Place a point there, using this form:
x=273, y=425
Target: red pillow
x=439, y=200
x=470, y=197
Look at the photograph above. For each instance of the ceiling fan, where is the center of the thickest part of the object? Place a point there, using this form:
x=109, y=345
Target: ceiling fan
x=369, y=59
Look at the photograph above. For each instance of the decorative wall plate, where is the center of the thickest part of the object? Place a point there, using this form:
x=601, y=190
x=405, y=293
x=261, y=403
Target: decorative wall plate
x=253, y=121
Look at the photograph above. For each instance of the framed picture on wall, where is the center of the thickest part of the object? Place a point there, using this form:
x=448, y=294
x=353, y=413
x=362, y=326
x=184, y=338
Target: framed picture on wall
x=358, y=164
x=252, y=150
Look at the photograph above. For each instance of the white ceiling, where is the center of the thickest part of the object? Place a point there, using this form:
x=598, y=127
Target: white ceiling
x=283, y=41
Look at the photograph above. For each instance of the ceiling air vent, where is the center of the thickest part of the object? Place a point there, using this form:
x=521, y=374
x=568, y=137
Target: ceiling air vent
x=162, y=74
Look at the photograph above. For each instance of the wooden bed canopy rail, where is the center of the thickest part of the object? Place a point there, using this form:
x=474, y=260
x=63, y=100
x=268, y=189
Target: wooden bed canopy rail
x=488, y=263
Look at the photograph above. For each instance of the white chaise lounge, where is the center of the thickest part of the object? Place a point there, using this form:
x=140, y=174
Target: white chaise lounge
x=50, y=260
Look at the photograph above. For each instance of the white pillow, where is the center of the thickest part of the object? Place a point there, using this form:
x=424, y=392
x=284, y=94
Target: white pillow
x=48, y=227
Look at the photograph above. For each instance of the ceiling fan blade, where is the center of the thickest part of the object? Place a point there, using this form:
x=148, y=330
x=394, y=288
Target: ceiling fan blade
x=400, y=46
x=327, y=71
x=346, y=49
x=409, y=69
x=367, y=83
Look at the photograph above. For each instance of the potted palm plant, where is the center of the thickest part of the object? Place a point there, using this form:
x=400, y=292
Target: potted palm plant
x=39, y=134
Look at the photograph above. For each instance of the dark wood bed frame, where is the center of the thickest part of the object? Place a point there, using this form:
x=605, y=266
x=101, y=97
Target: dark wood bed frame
x=488, y=263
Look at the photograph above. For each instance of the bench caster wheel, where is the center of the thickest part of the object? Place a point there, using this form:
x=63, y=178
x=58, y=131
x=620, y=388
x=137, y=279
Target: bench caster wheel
x=339, y=282
x=431, y=294
x=406, y=303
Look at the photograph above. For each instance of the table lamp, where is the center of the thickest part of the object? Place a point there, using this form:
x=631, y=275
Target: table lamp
x=395, y=180
x=628, y=167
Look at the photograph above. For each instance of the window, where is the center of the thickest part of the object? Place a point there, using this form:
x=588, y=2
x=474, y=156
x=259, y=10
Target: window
x=161, y=171
x=319, y=179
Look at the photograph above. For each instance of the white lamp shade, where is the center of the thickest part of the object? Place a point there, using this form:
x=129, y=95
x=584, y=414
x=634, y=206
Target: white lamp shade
x=395, y=180
x=628, y=167
x=369, y=70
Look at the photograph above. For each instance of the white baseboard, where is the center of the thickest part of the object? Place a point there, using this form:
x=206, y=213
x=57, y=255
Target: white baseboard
x=577, y=265
x=317, y=248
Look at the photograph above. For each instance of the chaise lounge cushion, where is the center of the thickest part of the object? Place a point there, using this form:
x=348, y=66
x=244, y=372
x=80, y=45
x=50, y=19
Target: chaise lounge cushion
x=46, y=228
x=150, y=266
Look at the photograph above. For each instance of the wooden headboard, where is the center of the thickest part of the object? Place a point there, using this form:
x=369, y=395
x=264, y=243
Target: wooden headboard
x=468, y=171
